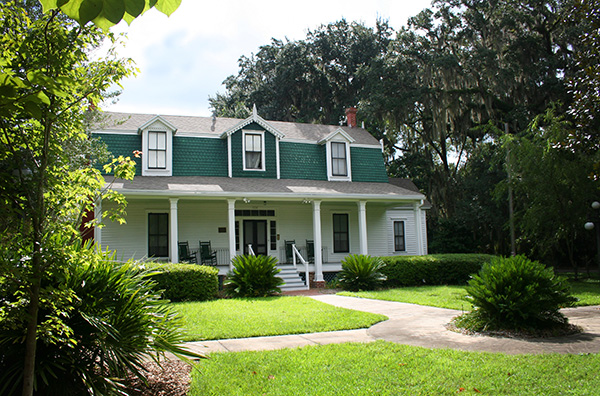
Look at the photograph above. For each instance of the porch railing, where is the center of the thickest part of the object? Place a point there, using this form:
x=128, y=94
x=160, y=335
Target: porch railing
x=304, y=253
x=296, y=254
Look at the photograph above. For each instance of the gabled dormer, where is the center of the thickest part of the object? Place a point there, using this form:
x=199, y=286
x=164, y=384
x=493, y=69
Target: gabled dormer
x=157, y=147
x=337, y=149
x=253, y=148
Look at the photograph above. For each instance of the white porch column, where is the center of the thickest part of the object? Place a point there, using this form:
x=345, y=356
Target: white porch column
x=231, y=228
x=362, y=227
x=418, y=228
x=173, y=253
x=317, y=238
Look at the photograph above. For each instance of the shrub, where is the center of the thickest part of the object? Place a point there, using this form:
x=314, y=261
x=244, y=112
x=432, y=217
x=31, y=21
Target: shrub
x=104, y=320
x=253, y=276
x=516, y=294
x=434, y=269
x=360, y=272
x=186, y=282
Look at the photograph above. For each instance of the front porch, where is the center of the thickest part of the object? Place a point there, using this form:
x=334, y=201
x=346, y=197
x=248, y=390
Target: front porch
x=332, y=228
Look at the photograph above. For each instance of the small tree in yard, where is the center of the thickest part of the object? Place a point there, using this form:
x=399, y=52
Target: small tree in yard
x=47, y=83
x=253, y=276
x=516, y=294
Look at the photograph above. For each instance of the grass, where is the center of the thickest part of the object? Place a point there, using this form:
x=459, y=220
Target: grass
x=588, y=293
x=436, y=296
x=384, y=368
x=236, y=318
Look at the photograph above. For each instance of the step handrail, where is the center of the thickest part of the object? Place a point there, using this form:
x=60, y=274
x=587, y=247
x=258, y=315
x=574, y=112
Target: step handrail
x=250, y=250
x=295, y=254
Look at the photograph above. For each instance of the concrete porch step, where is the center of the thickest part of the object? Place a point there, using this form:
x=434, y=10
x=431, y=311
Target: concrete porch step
x=292, y=279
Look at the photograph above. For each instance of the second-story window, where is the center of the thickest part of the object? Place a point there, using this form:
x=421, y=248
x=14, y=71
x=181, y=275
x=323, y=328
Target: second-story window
x=157, y=150
x=253, y=151
x=339, y=164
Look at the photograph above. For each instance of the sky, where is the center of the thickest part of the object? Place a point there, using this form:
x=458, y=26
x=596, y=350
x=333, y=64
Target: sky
x=183, y=59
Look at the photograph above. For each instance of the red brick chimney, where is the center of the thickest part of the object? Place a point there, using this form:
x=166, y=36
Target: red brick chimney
x=351, y=116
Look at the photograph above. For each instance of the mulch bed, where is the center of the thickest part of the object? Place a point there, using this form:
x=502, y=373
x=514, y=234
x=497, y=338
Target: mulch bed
x=171, y=378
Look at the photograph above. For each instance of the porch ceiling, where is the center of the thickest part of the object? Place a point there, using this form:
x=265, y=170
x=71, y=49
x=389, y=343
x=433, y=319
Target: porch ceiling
x=284, y=189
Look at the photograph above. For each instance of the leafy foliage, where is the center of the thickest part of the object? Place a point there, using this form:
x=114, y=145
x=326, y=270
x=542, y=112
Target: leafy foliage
x=516, y=293
x=433, y=269
x=186, y=282
x=107, y=13
x=101, y=319
x=48, y=84
x=361, y=272
x=253, y=276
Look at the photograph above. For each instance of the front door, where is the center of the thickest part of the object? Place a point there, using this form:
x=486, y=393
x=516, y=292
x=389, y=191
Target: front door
x=255, y=233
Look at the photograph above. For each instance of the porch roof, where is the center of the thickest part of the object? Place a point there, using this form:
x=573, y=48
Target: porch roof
x=283, y=189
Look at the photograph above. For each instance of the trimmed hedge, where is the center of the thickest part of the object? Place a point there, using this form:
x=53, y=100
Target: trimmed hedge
x=433, y=269
x=186, y=282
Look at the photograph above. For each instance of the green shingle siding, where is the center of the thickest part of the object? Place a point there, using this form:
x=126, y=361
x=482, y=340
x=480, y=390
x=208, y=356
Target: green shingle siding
x=208, y=157
x=302, y=161
x=237, y=168
x=199, y=156
x=368, y=165
x=123, y=145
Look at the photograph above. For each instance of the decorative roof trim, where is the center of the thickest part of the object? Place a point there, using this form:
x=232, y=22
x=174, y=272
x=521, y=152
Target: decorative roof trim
x=333, y=134
x=159, y=119
x=253, y=118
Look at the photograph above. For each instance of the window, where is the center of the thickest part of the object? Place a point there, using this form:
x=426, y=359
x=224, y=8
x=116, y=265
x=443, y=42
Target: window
x=158, y=235
x=157, y=150
x=273, y=235
x=339, y=164
x=340, y=233
x=237, y=235
x=399, y=242
x=253, y=157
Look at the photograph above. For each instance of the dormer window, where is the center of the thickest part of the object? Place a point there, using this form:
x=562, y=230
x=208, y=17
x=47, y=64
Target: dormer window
x=339, y=161
x=157, y=150
x=254, y=151
x=337, y=145
x=157, y=147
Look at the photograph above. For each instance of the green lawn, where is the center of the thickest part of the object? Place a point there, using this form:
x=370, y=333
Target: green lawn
x=236, y=318
x=588, y=293
x=384, y=368
x=435, y=296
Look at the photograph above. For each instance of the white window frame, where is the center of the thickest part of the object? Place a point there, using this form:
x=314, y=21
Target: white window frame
x=330, y=175
x=394, y=221
x=168, y=169
x=147, y=228
x=262, y=158
x=153, y=137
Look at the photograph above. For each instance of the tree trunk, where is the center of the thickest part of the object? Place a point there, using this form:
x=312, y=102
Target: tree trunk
x=31, y=338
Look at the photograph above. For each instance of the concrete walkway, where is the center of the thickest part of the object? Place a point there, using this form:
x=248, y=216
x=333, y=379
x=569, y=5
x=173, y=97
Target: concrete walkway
x=419, y=325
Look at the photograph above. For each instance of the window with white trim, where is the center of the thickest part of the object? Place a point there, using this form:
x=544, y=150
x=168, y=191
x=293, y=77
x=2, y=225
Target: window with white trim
x=399, y=240
x=339, y=162
x=341, y=238
x=158, y=235
x=157, y=150
x=253, y=151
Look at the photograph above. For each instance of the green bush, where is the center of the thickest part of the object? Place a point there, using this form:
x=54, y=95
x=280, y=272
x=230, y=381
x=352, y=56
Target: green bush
x=516, y=294
x=433, y=269
x=253, y=276
x=186, y=282
x=103, y=320
x=360, y=272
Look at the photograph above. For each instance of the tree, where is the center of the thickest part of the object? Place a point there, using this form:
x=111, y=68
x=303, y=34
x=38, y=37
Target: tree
x=311, y=80
x=553, y=189
x=47, y=85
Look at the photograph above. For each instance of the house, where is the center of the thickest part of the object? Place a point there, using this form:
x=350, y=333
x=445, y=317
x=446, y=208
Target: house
x=252, y=185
